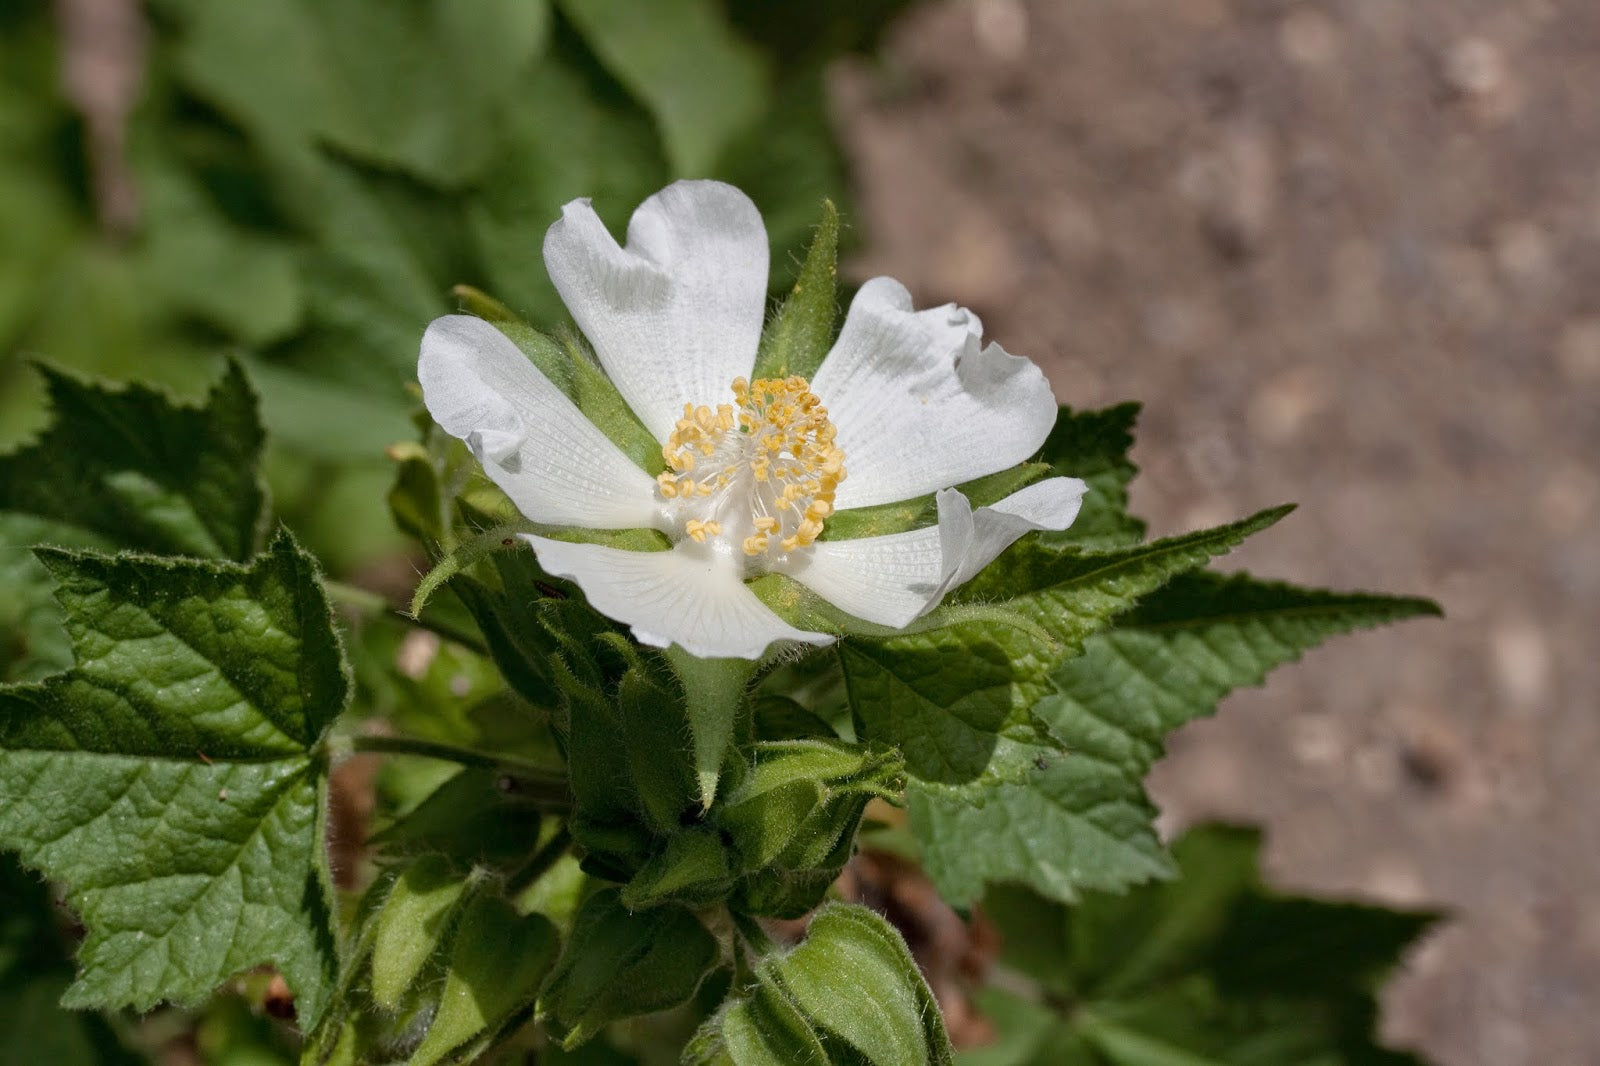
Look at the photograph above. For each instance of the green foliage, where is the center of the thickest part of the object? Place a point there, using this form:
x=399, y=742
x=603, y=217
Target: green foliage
x=618, y=964
x=1209, y=968
x=306, y=195
x=682, y=61
x=1093, y=446
x=171, y=779
x=123, y=468
x=850, y=994
x=801, y=333
x=439, y=967
x=574, y=836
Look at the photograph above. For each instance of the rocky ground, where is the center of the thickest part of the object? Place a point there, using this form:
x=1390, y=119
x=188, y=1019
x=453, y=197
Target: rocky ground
x=1347, y=253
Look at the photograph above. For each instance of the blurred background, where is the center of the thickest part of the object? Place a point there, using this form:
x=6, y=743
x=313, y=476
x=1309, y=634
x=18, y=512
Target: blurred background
x=1347, y=253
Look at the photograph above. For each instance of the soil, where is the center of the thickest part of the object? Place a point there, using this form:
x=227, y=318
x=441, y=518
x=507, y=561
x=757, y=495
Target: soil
x=1348, y=254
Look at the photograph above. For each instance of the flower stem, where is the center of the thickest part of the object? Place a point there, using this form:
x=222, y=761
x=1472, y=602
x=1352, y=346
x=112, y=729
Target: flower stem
x=526, y=782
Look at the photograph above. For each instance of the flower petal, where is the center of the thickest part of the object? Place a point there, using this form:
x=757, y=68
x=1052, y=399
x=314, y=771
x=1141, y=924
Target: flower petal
x=888, y=580
x=676, y=315
x=973, y=538
x=689, y=596
x=921, y=404
x=533, y=442
x=893, y=579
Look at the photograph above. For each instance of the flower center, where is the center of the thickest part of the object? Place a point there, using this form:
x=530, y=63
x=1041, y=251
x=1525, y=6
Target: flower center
x=761, y=471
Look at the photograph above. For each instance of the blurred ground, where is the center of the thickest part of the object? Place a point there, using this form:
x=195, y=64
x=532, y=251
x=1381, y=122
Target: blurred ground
x=1348, y=253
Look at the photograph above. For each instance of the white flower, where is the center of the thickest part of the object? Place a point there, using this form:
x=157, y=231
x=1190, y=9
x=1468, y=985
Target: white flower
x=906, y=403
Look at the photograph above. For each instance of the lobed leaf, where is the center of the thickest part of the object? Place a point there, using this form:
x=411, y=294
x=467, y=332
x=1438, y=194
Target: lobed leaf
x=1210, y=969
x=1079, y=818
x=1093, y=446
x=171, y=779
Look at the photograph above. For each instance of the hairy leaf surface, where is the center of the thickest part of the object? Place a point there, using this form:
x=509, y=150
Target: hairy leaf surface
x=170, y=779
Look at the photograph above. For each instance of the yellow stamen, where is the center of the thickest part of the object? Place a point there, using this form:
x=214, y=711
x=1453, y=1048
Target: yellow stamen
x=774, y=443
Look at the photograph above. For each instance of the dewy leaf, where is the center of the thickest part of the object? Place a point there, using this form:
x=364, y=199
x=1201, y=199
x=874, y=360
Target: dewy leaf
x=1093, y=445
x=850, y=993
x=1081, y=819
x=142, y=472
x=681, y=60
x=171, y=779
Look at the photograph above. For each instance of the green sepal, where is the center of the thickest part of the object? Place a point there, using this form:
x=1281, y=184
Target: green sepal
x=851, y=993
x=885, y=518
x=174, y=779
x=408, y=928
x=797, y=798
x=498, y=959
x=617, y=964
x=657, y=725
x=792, y=819
x=440, y=965
x=714, y=694
x=801, y=333
x=568, y=365
x=693, y=868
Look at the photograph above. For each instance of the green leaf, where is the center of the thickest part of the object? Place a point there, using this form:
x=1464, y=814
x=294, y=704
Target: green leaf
x=1183, y=648
x=568, y=133
x=617, y=964
x=1079, y=818
x=171, y=779
x=1211, y=969
x=850, y=993
x=408, y=929
x=801, y=333
x=346, y=71
x=1063, y=826
x=497, y=960
x=237, y=280
x=134, y=468
x=1073, y=594
x=1093, y=445
x=957, y=701
x=683, y=62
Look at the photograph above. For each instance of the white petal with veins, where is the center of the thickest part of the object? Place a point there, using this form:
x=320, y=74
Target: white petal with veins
x=676, y=315
x=691, y=596
x=921, y=404
x=531, y=439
